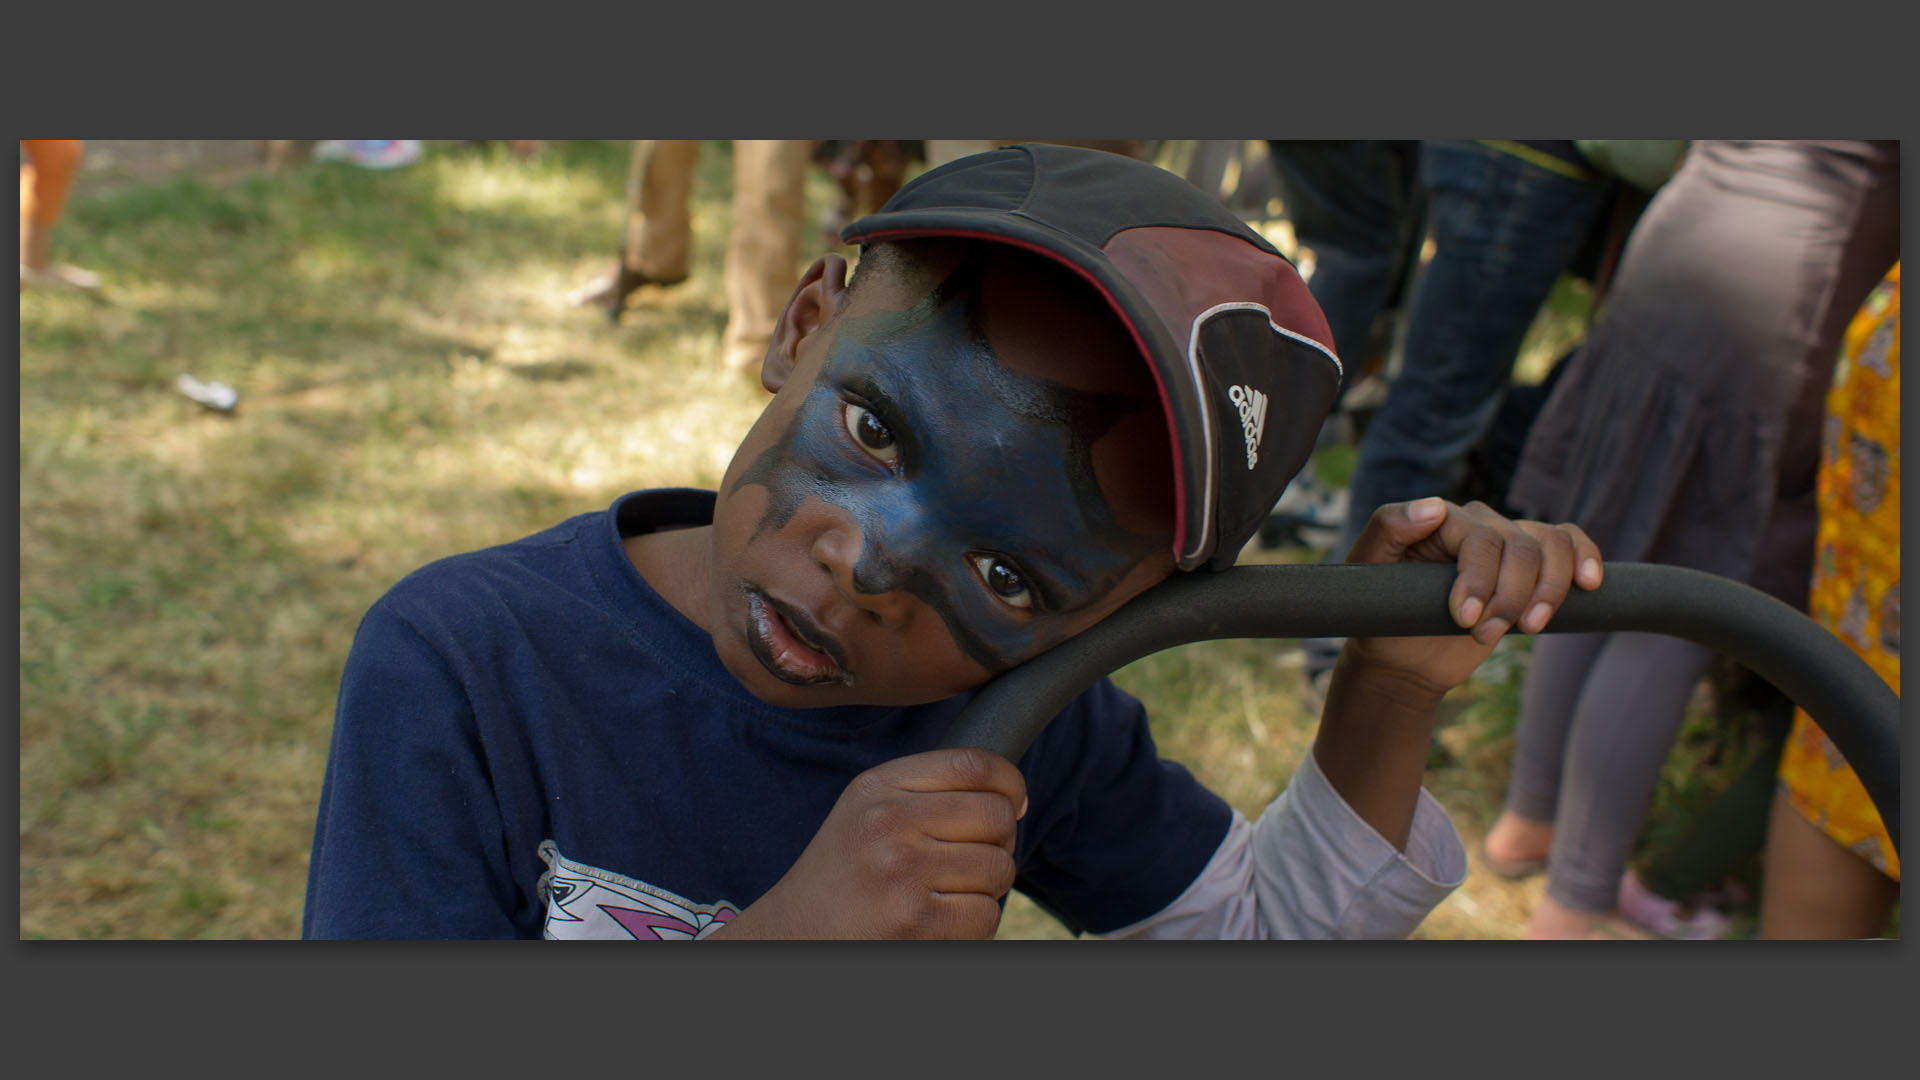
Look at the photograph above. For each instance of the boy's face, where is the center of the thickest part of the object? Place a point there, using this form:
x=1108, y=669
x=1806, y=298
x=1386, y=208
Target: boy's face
x=965, y=466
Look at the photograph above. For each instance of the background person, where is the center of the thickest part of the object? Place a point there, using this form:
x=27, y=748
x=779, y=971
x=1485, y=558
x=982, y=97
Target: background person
x=45, y=179
x=1831, y=868
x=1685, y=431
x=763, y=244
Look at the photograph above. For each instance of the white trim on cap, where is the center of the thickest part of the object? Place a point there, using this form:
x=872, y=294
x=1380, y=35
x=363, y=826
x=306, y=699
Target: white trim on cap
x=1206, y=403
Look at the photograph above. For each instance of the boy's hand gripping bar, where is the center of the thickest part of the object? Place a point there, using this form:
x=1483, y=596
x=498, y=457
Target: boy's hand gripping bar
x=1851, y=703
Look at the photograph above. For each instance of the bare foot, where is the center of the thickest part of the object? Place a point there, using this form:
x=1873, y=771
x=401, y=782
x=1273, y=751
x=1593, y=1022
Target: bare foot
x=1554, y=921
x=59, y=276
x=1516, y=847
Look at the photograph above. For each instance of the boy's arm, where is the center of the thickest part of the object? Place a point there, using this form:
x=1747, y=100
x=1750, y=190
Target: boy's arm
x=1381, y=706
x=408, y=841
x=1354, y=847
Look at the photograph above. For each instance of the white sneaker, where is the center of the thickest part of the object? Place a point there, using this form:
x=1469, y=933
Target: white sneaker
x=369, y=153
x=214, y=395
x=383, y=153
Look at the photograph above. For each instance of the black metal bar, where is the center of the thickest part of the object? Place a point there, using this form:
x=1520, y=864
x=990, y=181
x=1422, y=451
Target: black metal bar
x=1851, y=703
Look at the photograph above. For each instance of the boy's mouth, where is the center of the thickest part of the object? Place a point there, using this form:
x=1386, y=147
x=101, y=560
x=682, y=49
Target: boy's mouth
x=790, y=645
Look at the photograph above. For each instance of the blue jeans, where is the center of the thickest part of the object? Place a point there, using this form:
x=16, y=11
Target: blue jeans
x=1356, y=205
x=1504, y=231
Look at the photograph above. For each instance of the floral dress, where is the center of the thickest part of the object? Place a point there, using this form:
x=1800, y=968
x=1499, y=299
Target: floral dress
x=1856, y=575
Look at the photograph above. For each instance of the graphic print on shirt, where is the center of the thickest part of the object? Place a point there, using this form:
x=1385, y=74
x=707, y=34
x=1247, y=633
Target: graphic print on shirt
x=587, y=903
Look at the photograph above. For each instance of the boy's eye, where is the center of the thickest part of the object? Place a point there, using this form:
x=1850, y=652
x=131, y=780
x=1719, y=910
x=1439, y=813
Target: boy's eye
x=1005, y=581
x=870, y=433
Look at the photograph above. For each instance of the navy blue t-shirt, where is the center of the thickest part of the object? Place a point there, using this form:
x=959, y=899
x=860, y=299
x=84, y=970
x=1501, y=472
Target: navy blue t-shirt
x=531, y=741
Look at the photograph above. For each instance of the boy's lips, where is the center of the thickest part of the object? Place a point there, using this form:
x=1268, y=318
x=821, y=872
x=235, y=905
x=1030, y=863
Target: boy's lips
x=791, y=645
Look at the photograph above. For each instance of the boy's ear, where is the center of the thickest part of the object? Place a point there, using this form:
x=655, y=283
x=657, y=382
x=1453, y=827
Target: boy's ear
x=815, y=301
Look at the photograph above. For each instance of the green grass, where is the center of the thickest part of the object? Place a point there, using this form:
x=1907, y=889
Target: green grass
x=410, y=386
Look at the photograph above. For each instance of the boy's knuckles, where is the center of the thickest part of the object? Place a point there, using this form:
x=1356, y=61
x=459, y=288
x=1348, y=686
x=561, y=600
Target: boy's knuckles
x=1482, y=545
x=1524, y=554
x=881, y=821
x=875, y=783
x=896, y=867
x=972, y=767
x=978, y=868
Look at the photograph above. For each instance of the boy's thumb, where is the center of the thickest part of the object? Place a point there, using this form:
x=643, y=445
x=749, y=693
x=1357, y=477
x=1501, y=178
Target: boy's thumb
x=1396, y=527
x=1427, y=511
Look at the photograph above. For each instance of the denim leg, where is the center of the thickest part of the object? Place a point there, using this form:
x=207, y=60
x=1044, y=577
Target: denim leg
x=1504, y=231
x=1353, y=203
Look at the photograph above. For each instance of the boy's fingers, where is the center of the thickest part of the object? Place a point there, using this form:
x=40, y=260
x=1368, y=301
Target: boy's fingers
x=968, y=817
x=963, y=915
x=1556, y=576
x=1395, y=527
x=1478, y=554
x=965, y=768
x=1515, y=585
x=1588, y=568
x=986, y=869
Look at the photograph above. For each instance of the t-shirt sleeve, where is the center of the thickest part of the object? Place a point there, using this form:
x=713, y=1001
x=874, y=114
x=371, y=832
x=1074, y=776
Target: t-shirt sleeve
x=1115, y=833
x=409, y=841
x=1311, y=867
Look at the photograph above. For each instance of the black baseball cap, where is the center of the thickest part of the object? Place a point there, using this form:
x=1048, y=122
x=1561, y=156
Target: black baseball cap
x=1240, y=351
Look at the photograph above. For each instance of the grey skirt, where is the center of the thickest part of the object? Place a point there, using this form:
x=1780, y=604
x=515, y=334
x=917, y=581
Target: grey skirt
x=1686, y=429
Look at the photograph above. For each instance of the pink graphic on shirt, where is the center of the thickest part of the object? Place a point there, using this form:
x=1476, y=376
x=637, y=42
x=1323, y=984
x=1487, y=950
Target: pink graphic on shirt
x=649, y=924
x=588, y=902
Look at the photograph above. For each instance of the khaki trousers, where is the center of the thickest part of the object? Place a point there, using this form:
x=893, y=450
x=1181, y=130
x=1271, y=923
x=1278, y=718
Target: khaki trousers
x=763, y=261
x=941, y=151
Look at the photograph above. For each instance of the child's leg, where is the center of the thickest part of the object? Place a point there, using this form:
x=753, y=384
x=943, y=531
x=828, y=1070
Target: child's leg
x=1556, y=672
x=44, y=183
x=1632, y=704
x=1814, y=888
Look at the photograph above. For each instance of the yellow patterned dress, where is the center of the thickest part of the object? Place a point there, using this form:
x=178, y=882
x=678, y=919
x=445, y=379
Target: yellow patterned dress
x=1856, y=576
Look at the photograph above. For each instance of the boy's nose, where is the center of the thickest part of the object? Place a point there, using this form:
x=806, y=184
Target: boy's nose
x=863, y=572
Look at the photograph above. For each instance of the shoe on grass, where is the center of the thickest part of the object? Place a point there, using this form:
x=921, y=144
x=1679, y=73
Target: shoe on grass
x=59, y=276
x=214, y=395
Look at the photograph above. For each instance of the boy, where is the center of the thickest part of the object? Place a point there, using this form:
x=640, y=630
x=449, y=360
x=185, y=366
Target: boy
x=711, y=714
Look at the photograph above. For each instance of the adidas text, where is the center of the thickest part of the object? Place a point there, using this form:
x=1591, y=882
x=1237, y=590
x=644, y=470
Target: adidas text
x=1253, y=418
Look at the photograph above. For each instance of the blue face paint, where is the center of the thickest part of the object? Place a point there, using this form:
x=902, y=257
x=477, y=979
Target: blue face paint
x=990, y=463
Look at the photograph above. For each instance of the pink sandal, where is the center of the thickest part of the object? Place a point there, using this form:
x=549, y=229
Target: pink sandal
x=1679, y=920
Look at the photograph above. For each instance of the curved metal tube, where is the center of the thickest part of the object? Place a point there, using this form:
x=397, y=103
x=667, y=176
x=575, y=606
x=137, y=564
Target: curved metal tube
x=1850, y=702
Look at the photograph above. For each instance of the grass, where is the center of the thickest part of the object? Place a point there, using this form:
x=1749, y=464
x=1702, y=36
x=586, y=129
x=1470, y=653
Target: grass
x=410, y=386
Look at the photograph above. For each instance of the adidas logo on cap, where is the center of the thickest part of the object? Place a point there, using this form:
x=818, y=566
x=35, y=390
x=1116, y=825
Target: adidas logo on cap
x=1253, y=418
